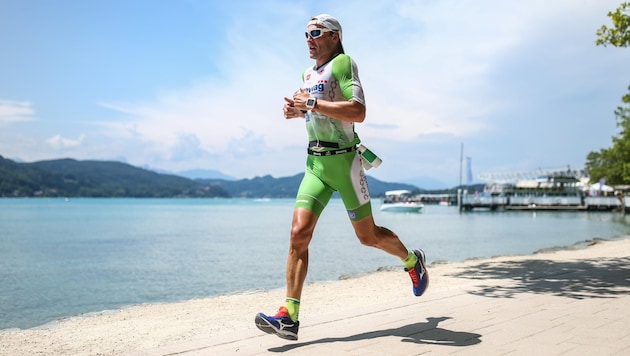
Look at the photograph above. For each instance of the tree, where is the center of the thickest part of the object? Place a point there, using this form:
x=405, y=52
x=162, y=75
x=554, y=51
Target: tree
x=614, y=163
x=619, y=35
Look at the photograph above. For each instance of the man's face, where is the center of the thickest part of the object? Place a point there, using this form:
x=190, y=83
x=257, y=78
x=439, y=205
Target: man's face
x=321, y=44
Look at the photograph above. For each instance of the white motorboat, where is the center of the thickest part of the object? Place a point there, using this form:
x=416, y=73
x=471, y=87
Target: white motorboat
x=400, y=201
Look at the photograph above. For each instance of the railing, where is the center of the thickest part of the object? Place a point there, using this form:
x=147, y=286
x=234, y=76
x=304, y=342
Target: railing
x=606, y=202
x=469, y=202
x=544, y=201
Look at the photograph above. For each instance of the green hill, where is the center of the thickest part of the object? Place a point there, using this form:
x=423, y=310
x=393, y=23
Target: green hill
x=286, y=187
x=72, y=178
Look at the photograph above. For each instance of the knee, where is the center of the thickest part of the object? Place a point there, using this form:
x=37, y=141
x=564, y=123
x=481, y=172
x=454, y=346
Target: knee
x=375, y=237
x=369, y=239
x=300, y=238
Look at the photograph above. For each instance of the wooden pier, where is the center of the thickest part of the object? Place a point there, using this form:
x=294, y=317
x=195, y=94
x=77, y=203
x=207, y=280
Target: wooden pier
x=470, y=202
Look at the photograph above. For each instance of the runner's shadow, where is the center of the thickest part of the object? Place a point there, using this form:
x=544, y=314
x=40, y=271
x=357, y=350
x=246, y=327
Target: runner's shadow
x=419, y=333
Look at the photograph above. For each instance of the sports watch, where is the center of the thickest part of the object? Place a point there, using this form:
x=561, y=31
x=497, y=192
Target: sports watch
x=310, y=103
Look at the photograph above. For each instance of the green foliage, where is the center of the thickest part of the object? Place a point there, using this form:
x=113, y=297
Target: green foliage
x=619, y=35
x=614, y=163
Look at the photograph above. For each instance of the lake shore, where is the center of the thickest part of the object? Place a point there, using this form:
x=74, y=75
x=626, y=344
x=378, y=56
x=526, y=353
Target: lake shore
x=155, y=326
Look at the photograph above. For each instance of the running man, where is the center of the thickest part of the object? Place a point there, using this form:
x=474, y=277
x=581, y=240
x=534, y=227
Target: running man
x=331, y=101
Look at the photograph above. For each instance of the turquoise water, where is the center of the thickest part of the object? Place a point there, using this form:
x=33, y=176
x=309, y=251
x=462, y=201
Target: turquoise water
x=61, y=258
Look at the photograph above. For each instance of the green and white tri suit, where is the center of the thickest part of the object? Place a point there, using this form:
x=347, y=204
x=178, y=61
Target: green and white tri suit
x=337, y=80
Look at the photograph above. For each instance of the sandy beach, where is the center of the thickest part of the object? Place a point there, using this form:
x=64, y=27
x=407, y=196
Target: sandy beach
x=224, y=324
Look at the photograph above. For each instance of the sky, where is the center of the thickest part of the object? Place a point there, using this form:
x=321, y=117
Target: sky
x=191, y=84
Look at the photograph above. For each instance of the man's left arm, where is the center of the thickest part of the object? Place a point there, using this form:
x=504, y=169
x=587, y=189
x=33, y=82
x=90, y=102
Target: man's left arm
x=350, y=111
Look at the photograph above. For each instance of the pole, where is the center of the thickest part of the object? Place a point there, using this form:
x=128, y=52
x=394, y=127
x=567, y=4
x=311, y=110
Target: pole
x=459, y=189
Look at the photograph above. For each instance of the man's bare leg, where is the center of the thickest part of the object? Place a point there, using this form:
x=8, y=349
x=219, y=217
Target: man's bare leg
x=302, y=228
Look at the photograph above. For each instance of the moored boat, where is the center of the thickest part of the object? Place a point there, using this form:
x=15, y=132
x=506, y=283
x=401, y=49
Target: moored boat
x=400, y=201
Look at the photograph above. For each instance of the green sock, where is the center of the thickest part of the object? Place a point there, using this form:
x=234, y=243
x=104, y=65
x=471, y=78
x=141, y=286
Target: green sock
x=293, y=306
x=411, y=260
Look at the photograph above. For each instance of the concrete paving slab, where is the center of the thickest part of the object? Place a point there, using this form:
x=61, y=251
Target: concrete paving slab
x=525, y=307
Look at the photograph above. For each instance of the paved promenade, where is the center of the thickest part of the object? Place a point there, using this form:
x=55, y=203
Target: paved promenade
x=563, y=303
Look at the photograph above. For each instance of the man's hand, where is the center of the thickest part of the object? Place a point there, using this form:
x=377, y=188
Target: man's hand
x=290, y=109
x=299, y=99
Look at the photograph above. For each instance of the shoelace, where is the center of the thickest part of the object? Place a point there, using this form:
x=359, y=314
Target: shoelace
x=414, y=277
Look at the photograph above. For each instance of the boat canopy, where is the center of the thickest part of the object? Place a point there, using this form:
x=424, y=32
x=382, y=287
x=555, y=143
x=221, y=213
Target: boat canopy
x=397, y=192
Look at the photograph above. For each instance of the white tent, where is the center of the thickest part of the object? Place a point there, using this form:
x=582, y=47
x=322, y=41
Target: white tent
x=596, y=188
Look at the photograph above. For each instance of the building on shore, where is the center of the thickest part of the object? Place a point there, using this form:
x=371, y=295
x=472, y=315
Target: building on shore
x=557, y=189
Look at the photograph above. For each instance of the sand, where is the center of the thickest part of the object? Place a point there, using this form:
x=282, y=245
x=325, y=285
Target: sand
x=154, y=326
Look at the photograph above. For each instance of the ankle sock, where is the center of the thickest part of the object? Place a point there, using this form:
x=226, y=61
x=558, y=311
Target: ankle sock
x=293, y=307
x=411, y=260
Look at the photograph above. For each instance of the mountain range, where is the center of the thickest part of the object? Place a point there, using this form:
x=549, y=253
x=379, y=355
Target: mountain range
x=424, y=182
x=73, y=178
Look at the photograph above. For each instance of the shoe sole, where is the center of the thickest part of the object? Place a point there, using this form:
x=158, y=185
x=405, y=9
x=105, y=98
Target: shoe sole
x=263, y=325
x=423, y=261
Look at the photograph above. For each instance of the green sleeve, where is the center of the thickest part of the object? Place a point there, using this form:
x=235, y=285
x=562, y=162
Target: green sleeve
x=342, y=71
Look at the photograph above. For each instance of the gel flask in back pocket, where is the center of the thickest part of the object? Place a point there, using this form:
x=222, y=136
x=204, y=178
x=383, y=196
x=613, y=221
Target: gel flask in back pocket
x=369, y=159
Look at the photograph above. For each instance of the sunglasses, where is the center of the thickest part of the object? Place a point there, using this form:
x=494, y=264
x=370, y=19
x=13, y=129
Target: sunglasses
x=317, y=33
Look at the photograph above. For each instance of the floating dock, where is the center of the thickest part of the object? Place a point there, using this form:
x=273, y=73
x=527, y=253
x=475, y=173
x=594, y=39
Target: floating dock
x=469, y=202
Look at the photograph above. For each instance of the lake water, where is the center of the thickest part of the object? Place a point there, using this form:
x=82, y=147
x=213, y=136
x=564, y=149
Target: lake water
x=62, y=258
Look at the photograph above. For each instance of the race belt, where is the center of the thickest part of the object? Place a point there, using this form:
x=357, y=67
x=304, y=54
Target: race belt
x=331, y=153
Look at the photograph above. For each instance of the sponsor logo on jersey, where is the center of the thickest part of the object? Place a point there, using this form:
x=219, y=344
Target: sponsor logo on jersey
x=317, y=88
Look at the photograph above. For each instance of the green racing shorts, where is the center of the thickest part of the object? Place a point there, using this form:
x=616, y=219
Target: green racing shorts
x=341, y=173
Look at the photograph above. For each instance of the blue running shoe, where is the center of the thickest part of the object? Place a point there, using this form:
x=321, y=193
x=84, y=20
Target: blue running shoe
x=279, y=324
x=419, y=275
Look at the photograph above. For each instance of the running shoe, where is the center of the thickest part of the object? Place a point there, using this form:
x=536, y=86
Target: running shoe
x=279, y=324
x=419, y=275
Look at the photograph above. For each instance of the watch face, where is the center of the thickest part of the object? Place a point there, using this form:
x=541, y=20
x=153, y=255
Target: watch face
x=310, y=103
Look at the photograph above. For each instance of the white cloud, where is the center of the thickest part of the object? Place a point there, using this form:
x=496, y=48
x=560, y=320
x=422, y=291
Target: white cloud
x=16, y=111
x=488, y=73
x=224, y=113
x=58, y=142
x=429, y=68
x=435, y=67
